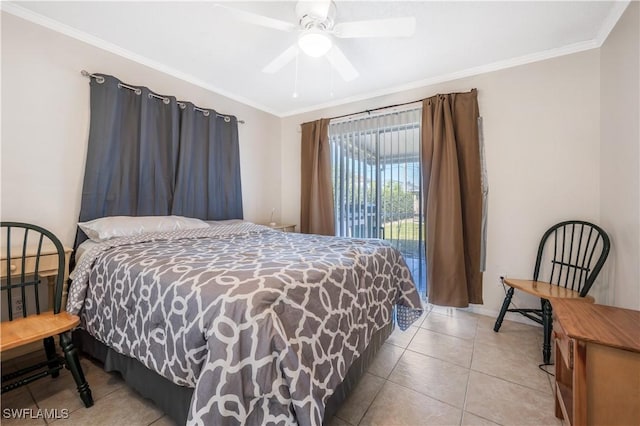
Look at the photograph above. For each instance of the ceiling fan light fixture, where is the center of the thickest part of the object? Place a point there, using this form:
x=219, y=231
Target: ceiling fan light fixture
x=314, y=43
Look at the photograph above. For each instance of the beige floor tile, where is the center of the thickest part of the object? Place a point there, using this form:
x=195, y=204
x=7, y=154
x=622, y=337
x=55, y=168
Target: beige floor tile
x=453, y=312
x=433, y=377
x=520, y=337
x=402, y=338
x=508, y=403
x=426, y=382
x=122, y=407
x=442, y=346
x=516, y=366
x=164, y=421
x=336, y=421
x=385, y=360
x=57, y=393
x=397, y=405
x=17, y=398
x=356, y=405
x=22, y=409
x=469, y=419
x=507, y=324
x=426, y=310
x=62, y=391
x=100, y=382
x=458, y=326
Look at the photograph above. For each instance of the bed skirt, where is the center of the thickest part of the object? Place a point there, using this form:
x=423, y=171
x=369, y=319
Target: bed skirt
x=175, y=400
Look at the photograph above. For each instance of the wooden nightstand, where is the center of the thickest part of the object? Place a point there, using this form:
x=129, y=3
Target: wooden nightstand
x=283, y=227
x=597, y=364
x=48, y=269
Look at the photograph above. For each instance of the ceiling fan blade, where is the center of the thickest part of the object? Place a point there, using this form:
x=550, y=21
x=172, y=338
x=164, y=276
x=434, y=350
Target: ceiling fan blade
x=392, y=27
x=261, y=20
x=281, y=60
x=340, y=62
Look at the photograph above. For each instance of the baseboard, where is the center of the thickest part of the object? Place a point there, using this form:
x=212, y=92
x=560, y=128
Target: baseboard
x=510, y=316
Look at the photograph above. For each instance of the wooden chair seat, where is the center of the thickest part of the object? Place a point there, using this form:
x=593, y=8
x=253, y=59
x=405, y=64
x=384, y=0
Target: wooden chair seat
x=545, y=290
x=33, y=328
x=28, y=254
x=573, y=253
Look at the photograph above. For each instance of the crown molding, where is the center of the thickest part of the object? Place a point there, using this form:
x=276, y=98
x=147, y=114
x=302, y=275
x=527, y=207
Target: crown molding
x=469, y=72
x=609, y=23
x=59, y=27
x=607, y=26
x=611, y=20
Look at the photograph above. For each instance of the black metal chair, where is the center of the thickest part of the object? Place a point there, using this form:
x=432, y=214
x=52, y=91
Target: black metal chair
x=29, y=253
x=571, y=255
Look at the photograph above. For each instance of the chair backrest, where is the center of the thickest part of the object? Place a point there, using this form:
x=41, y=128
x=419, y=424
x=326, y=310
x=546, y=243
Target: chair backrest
x=27, y=252
x=573, y=253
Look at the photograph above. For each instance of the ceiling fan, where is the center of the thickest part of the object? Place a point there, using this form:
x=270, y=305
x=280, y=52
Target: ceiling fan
x=317, y=27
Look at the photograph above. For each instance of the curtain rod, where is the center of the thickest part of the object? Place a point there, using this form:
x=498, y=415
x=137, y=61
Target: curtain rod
x=369, y=111
x=137, y=90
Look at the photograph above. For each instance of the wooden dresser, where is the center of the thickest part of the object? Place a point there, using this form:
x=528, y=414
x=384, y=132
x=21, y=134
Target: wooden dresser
x=597, y=363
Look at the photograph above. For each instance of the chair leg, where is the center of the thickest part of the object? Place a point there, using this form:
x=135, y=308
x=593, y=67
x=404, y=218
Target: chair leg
x=52, y=358
x=503, y=311
x=73, y=363
x=546, y=325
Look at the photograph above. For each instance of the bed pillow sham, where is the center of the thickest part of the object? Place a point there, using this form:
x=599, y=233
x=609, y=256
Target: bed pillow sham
x=105, y=228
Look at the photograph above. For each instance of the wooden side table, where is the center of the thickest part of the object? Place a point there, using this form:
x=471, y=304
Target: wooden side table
x=597, y=363
x=283, y=227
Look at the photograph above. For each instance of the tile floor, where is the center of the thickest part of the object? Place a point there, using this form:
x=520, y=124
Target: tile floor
x=450, y=368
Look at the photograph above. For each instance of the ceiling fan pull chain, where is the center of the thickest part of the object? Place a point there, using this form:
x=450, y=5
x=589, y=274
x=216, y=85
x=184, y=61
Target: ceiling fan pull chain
x=330, y=81
x=295, y=80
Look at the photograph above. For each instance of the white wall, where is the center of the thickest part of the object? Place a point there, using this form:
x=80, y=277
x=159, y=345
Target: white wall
x=545, y=158
x=45, y=124
x=620, y=155
x=542, y=142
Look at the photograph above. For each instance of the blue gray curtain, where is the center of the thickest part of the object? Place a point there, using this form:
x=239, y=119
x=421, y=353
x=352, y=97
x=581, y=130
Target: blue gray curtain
x=151, y=155
x=208, y=175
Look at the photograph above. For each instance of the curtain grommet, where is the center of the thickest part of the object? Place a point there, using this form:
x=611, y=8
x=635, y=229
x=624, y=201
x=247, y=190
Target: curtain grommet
x=100, y=79
x=206, y=113
x=166, y=101
x=227, y=119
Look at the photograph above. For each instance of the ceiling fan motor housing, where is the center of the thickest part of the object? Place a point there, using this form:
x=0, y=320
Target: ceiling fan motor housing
x=311, y=15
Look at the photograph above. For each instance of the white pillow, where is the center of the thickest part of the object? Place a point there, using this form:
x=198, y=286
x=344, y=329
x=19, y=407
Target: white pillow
x=109, y=227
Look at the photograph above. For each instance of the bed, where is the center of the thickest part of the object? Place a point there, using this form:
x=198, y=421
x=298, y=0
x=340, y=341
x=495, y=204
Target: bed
x=236, y=323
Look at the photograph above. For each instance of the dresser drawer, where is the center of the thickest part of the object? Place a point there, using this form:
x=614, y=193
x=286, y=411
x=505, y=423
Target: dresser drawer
x=48, y=264
x=564, y=343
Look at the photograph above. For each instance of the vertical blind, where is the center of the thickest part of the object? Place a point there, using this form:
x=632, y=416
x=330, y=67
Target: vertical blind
x=377, y=182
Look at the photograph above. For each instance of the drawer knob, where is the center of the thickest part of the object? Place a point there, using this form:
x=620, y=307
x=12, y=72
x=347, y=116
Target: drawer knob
x=13, y=267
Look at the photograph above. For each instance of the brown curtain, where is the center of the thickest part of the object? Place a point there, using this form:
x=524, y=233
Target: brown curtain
x=316, y=209
x=452, y=198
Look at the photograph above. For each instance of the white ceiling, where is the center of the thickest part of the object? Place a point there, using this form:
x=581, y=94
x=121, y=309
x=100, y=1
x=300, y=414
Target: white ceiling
x=199, y=42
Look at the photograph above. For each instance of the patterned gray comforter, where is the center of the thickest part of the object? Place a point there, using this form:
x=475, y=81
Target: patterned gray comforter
x=263, y=324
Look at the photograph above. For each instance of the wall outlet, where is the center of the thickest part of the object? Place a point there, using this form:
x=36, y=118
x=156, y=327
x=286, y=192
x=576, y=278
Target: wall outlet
x=16, y=306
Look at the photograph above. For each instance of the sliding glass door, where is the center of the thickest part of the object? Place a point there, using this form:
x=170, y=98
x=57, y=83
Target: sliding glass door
x=377, y=183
